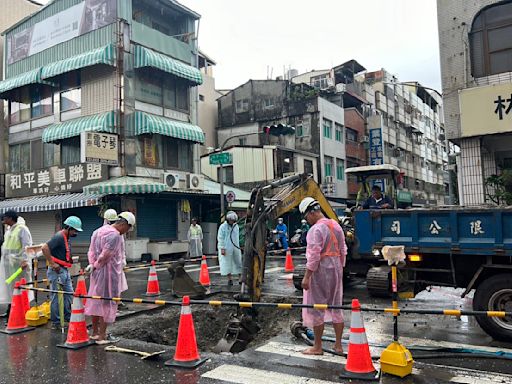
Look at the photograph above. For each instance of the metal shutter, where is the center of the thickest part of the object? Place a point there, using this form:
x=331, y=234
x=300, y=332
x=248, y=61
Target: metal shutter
x=157, y=219
x=90, y=222
x=41, y=225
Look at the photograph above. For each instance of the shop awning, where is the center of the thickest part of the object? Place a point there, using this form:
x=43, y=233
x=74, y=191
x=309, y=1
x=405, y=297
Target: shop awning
x=147, y=58
x=147, y=123
x=103, y=55
x=126, y=185
x=104, y=122
x=51, y=203
x=27, y=78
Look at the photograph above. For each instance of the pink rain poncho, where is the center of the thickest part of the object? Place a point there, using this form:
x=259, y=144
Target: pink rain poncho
x=326, y=251
x=106, y=255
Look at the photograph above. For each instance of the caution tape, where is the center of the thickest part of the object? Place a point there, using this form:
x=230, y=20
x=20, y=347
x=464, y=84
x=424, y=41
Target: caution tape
x=248, y=304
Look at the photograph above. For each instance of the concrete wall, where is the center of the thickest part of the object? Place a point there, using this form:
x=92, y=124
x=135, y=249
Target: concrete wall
x=208, y=112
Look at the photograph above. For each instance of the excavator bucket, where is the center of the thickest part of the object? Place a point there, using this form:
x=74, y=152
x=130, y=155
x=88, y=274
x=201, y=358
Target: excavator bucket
x=182, y=284
x=238, y=334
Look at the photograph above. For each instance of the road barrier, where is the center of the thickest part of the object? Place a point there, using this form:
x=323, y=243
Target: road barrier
x=248, y=304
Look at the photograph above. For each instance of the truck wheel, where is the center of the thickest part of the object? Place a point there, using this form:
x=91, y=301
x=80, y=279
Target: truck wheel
x=495, y=294
x=378, y=281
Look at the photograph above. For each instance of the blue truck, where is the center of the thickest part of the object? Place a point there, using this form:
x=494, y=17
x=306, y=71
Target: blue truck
x=467, y=248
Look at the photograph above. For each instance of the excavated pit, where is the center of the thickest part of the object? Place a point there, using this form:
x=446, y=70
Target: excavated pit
x=161, y=326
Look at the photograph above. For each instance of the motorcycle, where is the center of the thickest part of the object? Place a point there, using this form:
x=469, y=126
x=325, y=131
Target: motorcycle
x=273, y=241
x=297, y=239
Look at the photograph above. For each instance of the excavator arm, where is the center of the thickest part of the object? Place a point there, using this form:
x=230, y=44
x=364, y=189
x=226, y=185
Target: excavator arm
x=268, y=203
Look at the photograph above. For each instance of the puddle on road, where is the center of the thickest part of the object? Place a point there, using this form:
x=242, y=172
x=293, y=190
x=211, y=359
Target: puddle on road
x=161, y=326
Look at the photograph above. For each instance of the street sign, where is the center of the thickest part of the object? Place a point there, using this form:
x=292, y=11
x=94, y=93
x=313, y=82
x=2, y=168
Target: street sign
x=230, y=196
x=221, y=158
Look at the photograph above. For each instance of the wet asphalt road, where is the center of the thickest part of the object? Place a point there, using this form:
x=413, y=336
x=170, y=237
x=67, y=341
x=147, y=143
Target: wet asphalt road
x=33, y=357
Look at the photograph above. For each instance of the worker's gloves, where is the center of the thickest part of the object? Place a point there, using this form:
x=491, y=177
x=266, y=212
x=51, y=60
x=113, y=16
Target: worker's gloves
x=89, y=268
x=394, y=254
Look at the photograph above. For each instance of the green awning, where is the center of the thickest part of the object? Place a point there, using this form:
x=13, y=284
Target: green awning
x=104, y=122
x=27, y=78
x=147, y=123
x=147, y=58
x=103, y=55
x=125, y=185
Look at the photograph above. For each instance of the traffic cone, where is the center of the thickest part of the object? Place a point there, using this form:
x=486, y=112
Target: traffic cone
x=359, y=362
x=78, y=337
x=17, y=322
x=186, y=355
x=24, y=295
x=204, y=276
x=288, y=264
x=81, y=288
x=153, y=288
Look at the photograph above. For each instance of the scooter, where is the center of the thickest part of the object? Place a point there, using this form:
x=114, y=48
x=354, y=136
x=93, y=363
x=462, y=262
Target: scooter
x=274, y=243
x=296, y=240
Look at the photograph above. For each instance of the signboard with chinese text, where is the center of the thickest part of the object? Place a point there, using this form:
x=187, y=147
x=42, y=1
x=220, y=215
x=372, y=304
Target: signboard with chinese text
x=98, y=147
x=221, y=158
x=377, y=153
x=486, y=110
x=74, y=21
x=54, y=180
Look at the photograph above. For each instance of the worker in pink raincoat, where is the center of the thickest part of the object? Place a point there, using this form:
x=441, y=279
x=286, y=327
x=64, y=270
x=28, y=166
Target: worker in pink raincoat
x=106, y=257
x=323, y=281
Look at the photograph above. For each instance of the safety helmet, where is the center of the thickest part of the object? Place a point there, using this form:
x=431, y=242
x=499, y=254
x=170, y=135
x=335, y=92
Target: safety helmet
x=128, y=216
x=306, y=204
x=280, y=220
x=303, y=221
x=110, y=215
x=231, y=216
x=74, y=222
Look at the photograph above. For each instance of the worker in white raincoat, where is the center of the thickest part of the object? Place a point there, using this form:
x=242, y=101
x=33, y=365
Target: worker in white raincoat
x=228, y=245
x=195, y=238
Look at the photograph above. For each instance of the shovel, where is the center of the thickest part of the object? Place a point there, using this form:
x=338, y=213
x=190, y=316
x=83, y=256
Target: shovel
x=145, y=355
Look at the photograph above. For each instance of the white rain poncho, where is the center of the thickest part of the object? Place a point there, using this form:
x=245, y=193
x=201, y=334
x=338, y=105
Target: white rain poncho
x=106, y=255
x=195, y=238
x=16, y=238
x=228, y=238
x=325, y=253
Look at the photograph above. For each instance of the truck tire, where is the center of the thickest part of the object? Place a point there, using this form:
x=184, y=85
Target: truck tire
x=378, y=281
x=495, y=294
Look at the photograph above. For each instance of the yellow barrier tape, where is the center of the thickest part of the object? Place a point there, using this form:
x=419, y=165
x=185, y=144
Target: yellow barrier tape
x=244, y=304
x=394, y=311
x=160, y=302
x=97, y=297
x=320, y=306
x=451, y=312
x=284, y=306
x=116, y=299
x=496, y=313
x=137, y=301
x=215, y=303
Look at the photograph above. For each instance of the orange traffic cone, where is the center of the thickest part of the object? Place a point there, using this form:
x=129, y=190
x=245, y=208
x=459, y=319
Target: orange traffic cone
x=186, y=355
x=359, y=362
x=77, y=332
x=17, y=322
x=153, y=288
x=288, y=264
x=24, y=296
x=204, y=276
x=81, y=288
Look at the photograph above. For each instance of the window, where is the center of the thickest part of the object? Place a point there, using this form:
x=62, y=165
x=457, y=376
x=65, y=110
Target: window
x=340, y=169
x=42, y=101
x=19, y=157
x=320, y=82
x=227, y=174
x=157, y=151
x=308, y=167
x=338, y=132
x=71, y=97
x=182, y=97
x=327, y=124
x=242, y=141
x=167, y=91
x=327, y=166
x=351, y=134
x=489, y=40
x=299, y=129
x=242, y=105
x=20, y=110
x=268, y=103
x=201, y=97
x=70, y=151
x=49, y=158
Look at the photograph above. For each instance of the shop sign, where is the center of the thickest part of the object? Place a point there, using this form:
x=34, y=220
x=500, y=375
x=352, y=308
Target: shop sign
x=97, y=147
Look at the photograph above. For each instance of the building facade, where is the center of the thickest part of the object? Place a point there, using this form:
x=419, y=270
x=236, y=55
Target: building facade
x=102, y=112
x=318, y=123
x=476, y=69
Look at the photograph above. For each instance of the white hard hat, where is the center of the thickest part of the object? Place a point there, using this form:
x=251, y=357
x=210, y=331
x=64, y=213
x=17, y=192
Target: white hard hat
x=128, y=216
x=231, y=216
x=110, y=215
x=306, y=203
x=280, y=219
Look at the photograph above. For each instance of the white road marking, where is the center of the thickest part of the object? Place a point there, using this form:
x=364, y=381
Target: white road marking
x=244, y=375
x=268, y=270
x=294, y=350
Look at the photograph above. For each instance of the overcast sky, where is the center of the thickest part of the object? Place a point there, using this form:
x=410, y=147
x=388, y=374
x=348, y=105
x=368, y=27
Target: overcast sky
x=244, y=37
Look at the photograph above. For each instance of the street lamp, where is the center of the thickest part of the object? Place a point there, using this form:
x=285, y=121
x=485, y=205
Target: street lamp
x=273, y=130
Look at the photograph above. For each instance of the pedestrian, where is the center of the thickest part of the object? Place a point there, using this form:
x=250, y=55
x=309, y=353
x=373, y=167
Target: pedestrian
x=106, y=255
x=57, y=252
x=228, y=244
x=323, y=281
x=195, y=238
x=16, y=238
x=282, y=232
x=304, y=227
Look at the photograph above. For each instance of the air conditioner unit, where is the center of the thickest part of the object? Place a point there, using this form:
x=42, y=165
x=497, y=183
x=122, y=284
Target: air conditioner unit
x=340, y=87
x=195, y=181
x=171, y=179
x=365, y=139
x=329, y=179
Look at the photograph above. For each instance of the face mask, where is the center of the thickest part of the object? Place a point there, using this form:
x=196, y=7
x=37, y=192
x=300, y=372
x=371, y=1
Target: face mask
x=73, y=234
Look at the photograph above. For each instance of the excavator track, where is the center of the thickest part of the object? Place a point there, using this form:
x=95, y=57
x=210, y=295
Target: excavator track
x=378, y=281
